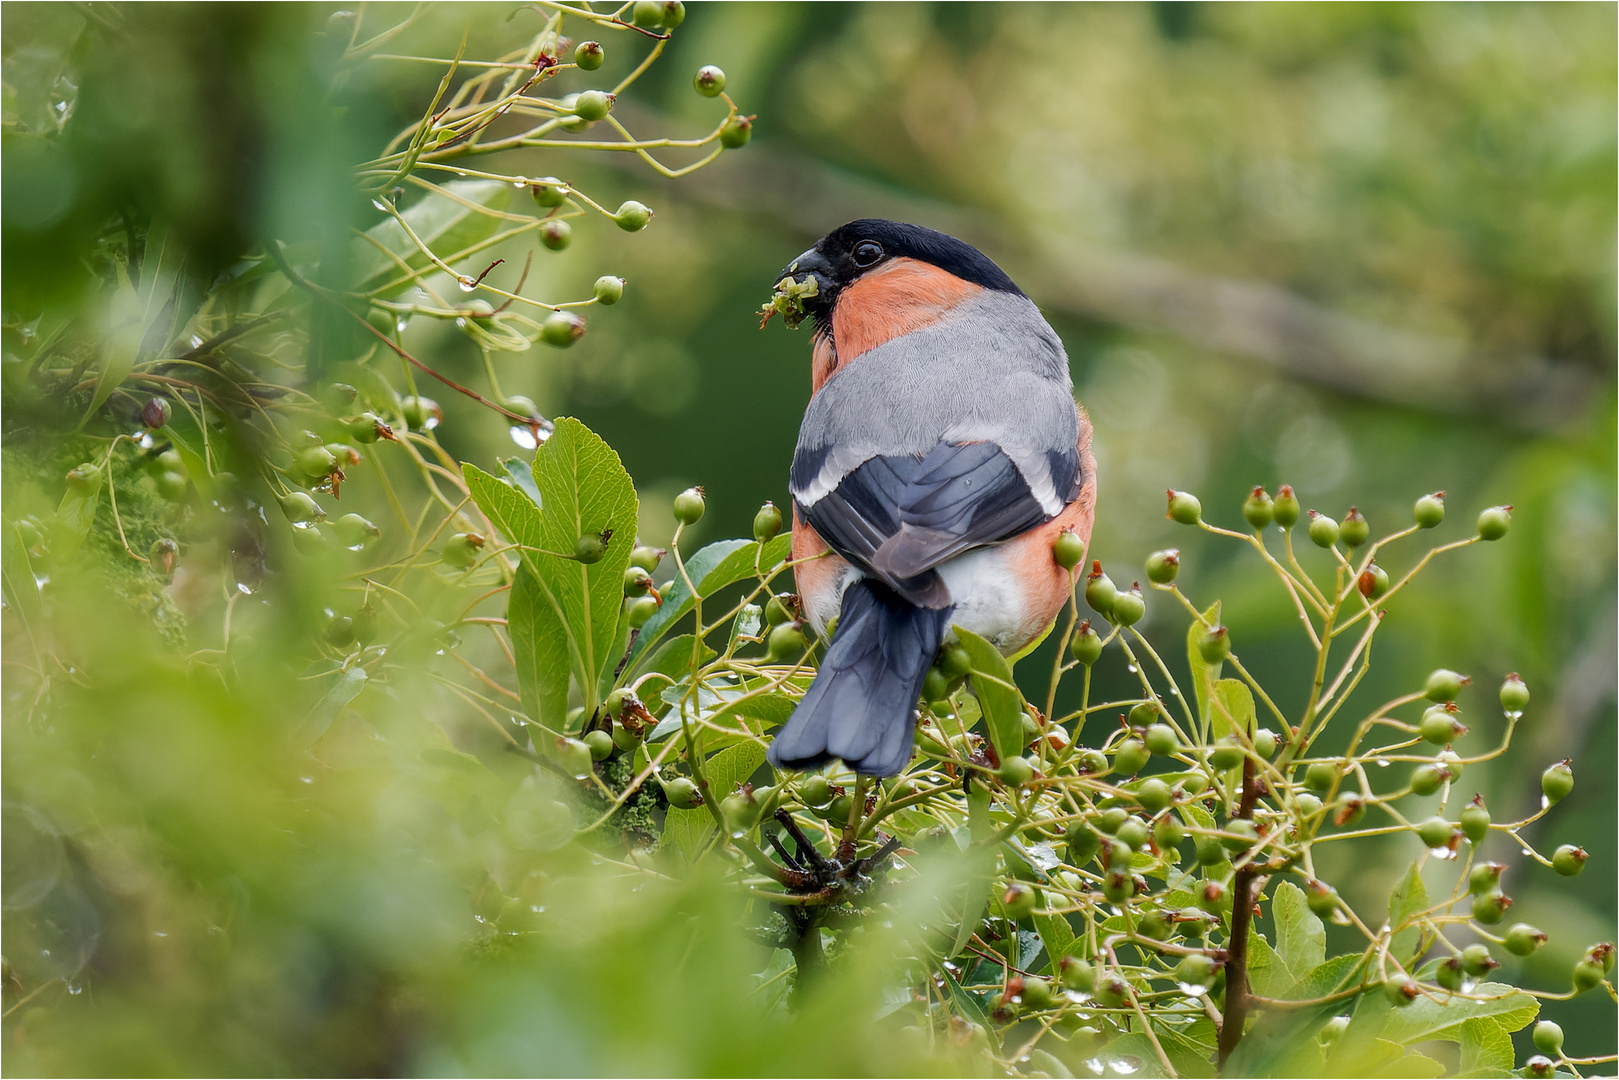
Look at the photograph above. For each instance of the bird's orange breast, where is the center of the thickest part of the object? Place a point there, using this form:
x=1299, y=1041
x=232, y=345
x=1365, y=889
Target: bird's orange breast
x=897, y=298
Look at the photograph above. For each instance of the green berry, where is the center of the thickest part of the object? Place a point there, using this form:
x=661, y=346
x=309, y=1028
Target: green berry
x=1265, y=742
x=647, y=14
x=1494, y=522
x=1156, y=926
x=1111, y=819
x=1018, y=900
x=689, y=506
x=777, y=610
x=1475, y=821
x=314, y=463
x=1083, y=843
x=609, y=290
x=736, y=132
x=1603, y=955
x=1162, y=566
x=1068, y=549
x=1557, y=781
x=461, y=550
x=640, y=611
x=1485, y=877
x=1016, y=771
x=637, y=582
x=1321, y=898
x=1162, y=740
x=786, y=643
x=1167, y=833
x=709, y=81
x=591, y=547
x=561, y=329
x=1323, y=530
x=161, y=555
x=299, y=507
x=1355, y=530
x=1210, y=852
x=1100, y=592
x=1348, y=810
x=1196, y=969
x=1569, y=860
x=340, y=631
x=1227, y=753
x=1036, y=993
x=1258, y=509
x=1184, y=508
x=674, y=13
x=1440, y=726
x=85, y=479
x=171, y=486
x=1444, y=685
x=1477, y=961
x=1449, y=974
x=1523, y=939
x=600, y=744
x=420, y=413
x=1091, y=762
x=383, y=321
x=556, y=234
x=1548, y=1037
x=1086, y=645
x=1373, y=582
x=522, y=406
x=815, y=791
x=1401, y=990
x=1214, y=644
x=1133, y=832
x=1448, y=760
x=1435, y=832
x=955, y=661
x=632, y=216
x=1286, y=507
x=1587, y=976
x=1130, y=756
x=589, y=55
x=1427, y=779
x=618, y=701
x=682, y=793
x=740, y=810
x=1320, y=776
x=1129, y=607
x=354, y=531
x=1429, y=510
x=766, y=523
x=935, y=685
x=1077, y=975
x=647, y=558
x=1514, y=694
x=1242, y=835
x=1538, y=1066
x=575, y=758
x=368, y=428
x=1118, y=886
x=1491, y=907
x=550, y=192
x=1213, y=897
x=1308, y=805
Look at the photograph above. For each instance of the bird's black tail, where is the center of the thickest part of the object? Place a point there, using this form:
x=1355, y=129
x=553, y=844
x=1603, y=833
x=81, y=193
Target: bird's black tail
x=862, y=705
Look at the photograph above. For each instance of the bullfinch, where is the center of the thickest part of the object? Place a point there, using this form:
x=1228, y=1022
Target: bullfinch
x=941, y=455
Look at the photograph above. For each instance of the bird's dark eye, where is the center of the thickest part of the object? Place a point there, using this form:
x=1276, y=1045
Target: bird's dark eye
x=867, y=253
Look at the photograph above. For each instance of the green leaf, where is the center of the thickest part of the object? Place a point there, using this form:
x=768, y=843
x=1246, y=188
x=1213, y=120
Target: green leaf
x=1326, y=978
x=997, y=694
x=1301, y=939
x=1131, y=1055
x=977, y=892
x=585, y=490
x=1486, y=1049
x=74, y=516
x=722, y=563
x=522, y=476
x=1058, y=937
x=1409, y=898
x=345, y=688
x=690, y=829
x=674, y=659
x=17, y=575
x=444, y=225
x=1203, y=673
x=1268, y=973
x=1427, y=1018
x=540, y=650
x=1233, y=708
x=1190, y=1058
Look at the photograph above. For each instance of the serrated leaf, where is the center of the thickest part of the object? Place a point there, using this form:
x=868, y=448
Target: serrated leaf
x=1190, y=1059
x=541, y=655
x=1130, y=1055
x=1428, y=1018
x=1268, y=973
x=1409, y=898
x=1203, y=673
x=1301, y=938
x=997, y=694
x=1326, y=977
x=722, y=563
x=1486, y=1049
x=1058, y=937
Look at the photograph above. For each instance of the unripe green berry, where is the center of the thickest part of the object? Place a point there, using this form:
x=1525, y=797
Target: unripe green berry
x=461, y=550
x=600, y=744
x=1514, y=694
x=709, y=81
x=955, y=661
x=1068, y=549
x=1429, y=510
x=85, y=478
x=1587, y=976
x=591, y=547
x=786, y=643
x=171, y=486
x=368, y=428
x=740, y=811
x=1100, y=592
x=935, y=685
x=1156, y=926
x=736, y=132
x=647, y=558
x=1494, y=522
x=766, y=523
x=1184, y=507
x=1323, y=530
x=1475, y=821
x=420, y=413
x=1016, y=771
x=1523, y=939
x=1258, y=510
x=1444, y=685
x=609, y=290
x=1348, y=810
x=682, y=793
x=1214, y=644
x=1130, y=756
x=1427, y=779
x=632, y=216
x=815, y=791
x=1308, y=805
x=1355, y=529
x=314, y=463
x=1373, y=582
x=1162, y=740
x=1321, y=898
x=550, y=192
x=1118, y=886
x=1129, y=607
x=575, y=758
x=1477, y=961
x=1242, y=835
x=1539, y=1067
x=1227, y=753
x=1210, y=852
x=561, y=329
x=1440, y=726
x=640, y=611
x=1086, y=644
x=1213, y=897
x=647, y=14
x=354, y=531
x=674, y=13
x=637, y=582
x=1286, y=507
x=385, y=322
x=1557, y=781
x=1091, y=762
x=1167, y=833
x=1569, y=860
x=1435, y=832
x=1162, y=566
x=1548, y=1037
x=1449, y=974
x=589, y=55
x=1265, y=742
x=1083, y=843
x=299, y=507
x=1077, y=975
x=1133, y=832
x=1320, y=776
x=1491, y=907
x=1111, y=819
x=1196, y=969
x=1018, y=900
x=1036, y=993
x=1484, y=878
x=689, y=506
x=1401, y=990
x=556, y=234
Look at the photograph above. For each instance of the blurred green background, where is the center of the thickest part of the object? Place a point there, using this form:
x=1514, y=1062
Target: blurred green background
x=1365, y=249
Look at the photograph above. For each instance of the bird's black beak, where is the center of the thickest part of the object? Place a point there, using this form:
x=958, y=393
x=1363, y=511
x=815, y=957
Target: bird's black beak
x=804, y=288
x=813, y=263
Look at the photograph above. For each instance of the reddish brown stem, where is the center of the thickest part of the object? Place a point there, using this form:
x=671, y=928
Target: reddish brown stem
x=1242, y=913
